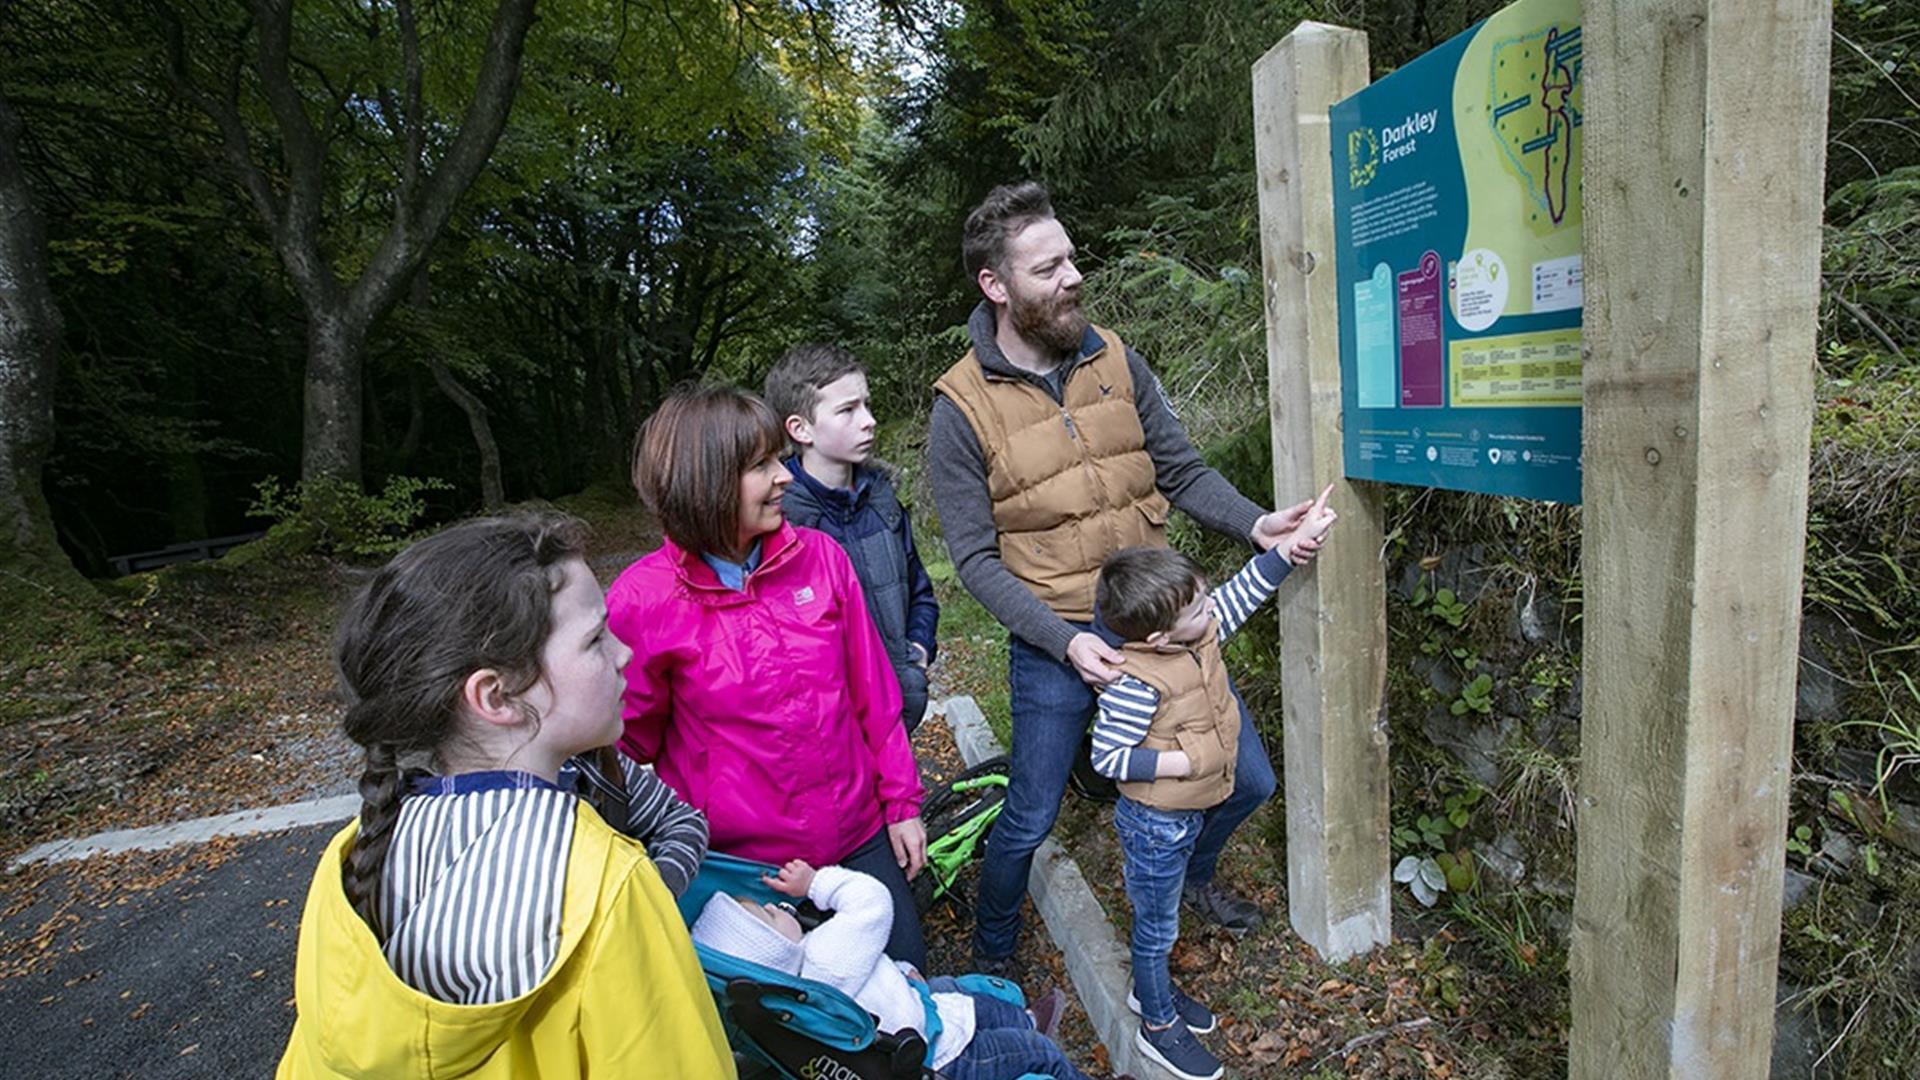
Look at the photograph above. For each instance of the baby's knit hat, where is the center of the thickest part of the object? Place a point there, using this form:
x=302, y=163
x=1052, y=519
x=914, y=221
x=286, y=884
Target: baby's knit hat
x=725, y=926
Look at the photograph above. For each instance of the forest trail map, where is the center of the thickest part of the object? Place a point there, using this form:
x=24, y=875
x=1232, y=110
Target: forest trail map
x=1457, y=208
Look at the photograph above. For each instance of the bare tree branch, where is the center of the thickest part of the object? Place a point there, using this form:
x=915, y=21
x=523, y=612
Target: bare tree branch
x=225, y=114
x=1860, y=316
x=297, y=234
x=405, y=244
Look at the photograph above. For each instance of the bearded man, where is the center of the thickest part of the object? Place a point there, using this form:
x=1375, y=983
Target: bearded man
x=1052, y=447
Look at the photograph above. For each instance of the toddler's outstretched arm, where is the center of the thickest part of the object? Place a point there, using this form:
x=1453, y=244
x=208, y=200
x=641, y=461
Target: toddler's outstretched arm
x=1236, y=601
x=674, y=833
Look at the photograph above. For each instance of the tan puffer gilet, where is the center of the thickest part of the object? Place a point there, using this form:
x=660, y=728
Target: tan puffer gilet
x=1071, y=483
x=1197, y=714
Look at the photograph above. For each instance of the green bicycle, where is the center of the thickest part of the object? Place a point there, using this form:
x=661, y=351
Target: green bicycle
x=958, y=818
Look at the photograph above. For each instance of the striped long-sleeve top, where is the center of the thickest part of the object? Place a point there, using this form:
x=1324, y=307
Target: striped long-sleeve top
x=1127, y=705
x=674, y=833
x=469, y=900
x=470, y=897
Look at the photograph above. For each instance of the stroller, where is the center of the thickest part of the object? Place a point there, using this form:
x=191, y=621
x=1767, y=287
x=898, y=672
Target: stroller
x=791, y=1027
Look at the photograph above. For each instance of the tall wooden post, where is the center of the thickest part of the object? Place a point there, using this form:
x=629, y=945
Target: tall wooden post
x=1705, y=142
x=1333, y=624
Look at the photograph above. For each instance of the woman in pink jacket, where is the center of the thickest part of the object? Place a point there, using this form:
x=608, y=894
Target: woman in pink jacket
x=759, y=687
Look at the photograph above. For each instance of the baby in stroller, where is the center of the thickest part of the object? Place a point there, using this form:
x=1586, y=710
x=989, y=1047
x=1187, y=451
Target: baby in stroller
x=974, y=1027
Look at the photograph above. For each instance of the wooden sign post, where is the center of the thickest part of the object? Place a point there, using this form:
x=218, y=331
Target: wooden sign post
x=1705, y=140
x=1333, y=624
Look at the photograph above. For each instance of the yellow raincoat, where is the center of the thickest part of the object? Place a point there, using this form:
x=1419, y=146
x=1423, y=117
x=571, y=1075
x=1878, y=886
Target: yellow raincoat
x=625, y=997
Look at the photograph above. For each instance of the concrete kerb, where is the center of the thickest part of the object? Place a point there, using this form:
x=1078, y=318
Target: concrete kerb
x=198, y=831
x=1097, y=960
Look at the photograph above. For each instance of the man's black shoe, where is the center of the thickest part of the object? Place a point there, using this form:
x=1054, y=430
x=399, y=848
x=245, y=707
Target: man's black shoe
x=1216, y=905
x=1000, y=967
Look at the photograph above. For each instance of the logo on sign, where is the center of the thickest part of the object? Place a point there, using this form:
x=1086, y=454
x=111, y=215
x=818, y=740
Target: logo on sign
x=1363, y=157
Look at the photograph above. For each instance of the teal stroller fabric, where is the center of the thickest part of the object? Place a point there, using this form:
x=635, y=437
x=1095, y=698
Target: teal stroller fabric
x=799, y=1028
x=804, y=1030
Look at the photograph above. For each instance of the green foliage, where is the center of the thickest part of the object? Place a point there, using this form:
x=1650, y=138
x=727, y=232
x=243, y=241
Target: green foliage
x=973, y=649
x=1202, y=325
x=1442, y=981
x=1539, y=780
x=1800, y=841
x=1460, y=804
x=1475, y=696
x=1898, y=730
x=1440, y=604
x=1434, y=830
x=1871, y=257
x=331, y=517
x=1849, y=948
x=1509, y=924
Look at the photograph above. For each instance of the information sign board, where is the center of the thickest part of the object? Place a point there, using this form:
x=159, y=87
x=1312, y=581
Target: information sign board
x=1457, y=224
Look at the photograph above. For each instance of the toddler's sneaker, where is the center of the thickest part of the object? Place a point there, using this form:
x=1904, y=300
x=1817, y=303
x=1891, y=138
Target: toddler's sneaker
x=1175, y=1049
x=1198, y=1018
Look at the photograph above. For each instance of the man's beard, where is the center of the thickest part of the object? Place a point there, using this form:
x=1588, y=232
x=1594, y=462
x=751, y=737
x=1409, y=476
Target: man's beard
x=1058, y=325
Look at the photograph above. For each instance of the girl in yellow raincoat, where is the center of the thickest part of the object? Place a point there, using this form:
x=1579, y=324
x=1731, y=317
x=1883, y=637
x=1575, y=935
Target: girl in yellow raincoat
x=479, y=918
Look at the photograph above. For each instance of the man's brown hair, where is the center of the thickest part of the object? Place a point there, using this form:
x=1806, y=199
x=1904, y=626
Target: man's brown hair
x=1142, y=590
x=1000, y=216
x=793, y=386
x=690, y=455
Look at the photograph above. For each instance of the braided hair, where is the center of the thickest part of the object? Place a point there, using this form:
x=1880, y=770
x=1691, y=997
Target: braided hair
x=477, y=595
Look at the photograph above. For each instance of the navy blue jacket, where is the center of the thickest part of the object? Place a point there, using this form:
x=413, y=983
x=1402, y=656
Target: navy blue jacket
x=869, y=522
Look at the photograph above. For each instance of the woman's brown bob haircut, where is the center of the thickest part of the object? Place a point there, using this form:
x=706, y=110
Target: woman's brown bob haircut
x=689, y=458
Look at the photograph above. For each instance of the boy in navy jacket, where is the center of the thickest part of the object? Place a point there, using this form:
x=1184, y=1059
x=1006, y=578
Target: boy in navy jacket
x=820, y=392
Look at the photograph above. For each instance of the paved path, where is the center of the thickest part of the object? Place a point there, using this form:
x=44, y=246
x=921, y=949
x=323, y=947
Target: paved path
x=169, y=951
x=192, y=978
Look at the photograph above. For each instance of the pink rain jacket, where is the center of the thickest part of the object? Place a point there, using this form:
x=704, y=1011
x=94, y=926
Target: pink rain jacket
x=773, y=709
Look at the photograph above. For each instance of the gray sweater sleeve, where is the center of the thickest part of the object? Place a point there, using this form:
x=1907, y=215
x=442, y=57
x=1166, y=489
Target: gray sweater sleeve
x=958, y=471
x=1179, y=472
x=674, y=833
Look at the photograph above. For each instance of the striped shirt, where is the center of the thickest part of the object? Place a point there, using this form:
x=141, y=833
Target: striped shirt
x=1127, y=705
x=674, y=833
x=475, y=877
x=473, y=885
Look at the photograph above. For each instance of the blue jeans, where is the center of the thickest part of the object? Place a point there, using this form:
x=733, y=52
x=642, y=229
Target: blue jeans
x=1051, y=708
x=1004, y=1045
x=1155, y=848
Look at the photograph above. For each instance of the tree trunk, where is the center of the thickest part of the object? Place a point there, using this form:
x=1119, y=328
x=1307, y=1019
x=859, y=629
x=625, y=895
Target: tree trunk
x=416, y=423
x=289, y=193
x=29, y=343
x=186, y=496
x=330, y=440
x=491, y=492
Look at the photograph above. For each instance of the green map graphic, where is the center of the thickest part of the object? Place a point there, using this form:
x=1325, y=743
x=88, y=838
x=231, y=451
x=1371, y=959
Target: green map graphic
x=1517, y=102
x=1535, y=83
